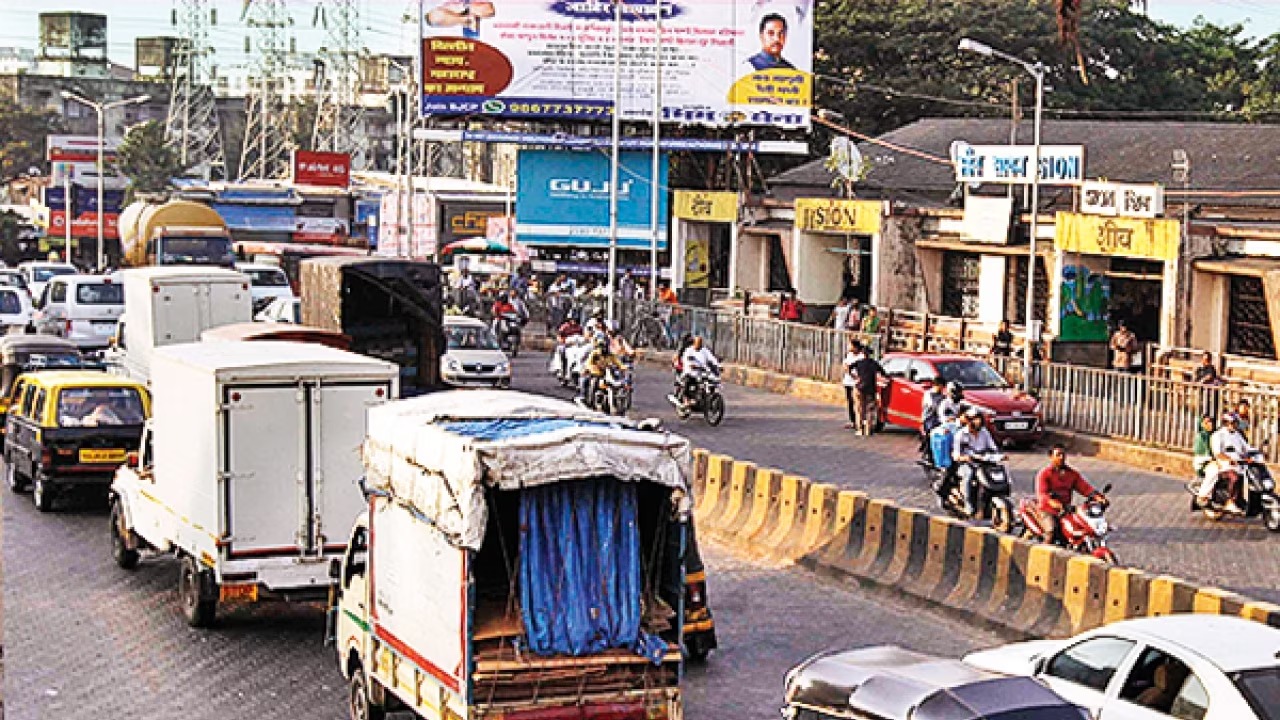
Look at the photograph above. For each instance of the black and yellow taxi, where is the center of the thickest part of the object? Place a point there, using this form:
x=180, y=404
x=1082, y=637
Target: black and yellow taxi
x=24, y=353
x=70, y=429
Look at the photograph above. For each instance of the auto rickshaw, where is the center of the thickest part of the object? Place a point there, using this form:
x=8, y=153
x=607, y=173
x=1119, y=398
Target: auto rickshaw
x=25, y=353
x=71, y=429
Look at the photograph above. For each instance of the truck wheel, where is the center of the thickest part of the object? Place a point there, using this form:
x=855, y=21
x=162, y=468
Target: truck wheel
x=42, y=494
x=126, y=558
x=359, y=703
x=197, y=593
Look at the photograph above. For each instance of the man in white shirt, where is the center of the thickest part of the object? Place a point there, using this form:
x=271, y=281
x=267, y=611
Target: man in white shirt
x=696, y=361
x=1228, y=446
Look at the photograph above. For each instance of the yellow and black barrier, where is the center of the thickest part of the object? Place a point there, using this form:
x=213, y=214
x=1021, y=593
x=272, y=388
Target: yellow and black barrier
x=1030, y=587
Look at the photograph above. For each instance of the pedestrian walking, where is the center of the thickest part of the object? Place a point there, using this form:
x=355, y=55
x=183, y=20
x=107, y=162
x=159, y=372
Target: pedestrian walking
x=1124, y=348
x=867, y=373
x=850, y=383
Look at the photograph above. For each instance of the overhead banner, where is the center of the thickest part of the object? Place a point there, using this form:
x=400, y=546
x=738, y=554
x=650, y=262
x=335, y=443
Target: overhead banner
x=747, y=62
x=563, y=199
x=1119, y=237
x=706, y=206
x=1123, y=200
x=1011, y=164
x=858, y=217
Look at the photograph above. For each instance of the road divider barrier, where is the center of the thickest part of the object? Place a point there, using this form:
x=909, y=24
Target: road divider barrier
x=1033, y=588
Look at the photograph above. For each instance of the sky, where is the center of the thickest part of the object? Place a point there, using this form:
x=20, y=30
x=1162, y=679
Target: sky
x=383, y=31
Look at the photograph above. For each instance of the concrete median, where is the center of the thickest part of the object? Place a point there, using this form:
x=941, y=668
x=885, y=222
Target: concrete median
x=1032, y=588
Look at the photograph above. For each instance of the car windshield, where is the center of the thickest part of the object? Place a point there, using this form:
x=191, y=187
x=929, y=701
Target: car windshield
x=99, y=406
x=197, y=251
x=267, y=278
x=1261, y=688
x=12, y=279
x=100, y=294
x=9, y=302
x=42, y=274
x=970, y=374
x=470, y=338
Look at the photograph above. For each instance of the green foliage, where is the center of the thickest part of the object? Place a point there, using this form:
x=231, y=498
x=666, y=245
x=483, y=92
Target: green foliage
x=22, y=138
x=147, y=160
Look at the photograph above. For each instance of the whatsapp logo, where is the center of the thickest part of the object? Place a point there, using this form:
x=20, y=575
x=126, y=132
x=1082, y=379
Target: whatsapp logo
x=493, y=106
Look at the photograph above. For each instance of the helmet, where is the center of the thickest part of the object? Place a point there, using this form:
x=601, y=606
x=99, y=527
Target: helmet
x=972, y=412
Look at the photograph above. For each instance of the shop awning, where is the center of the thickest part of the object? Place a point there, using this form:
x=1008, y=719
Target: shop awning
x=1043, y=249
x=1247, y=266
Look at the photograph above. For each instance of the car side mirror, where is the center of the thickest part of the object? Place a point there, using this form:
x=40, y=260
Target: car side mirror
x=335, y=569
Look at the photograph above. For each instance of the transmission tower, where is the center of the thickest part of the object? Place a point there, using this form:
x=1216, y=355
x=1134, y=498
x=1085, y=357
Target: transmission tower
x=266, y=132
x=192, y=127
x=340, y=125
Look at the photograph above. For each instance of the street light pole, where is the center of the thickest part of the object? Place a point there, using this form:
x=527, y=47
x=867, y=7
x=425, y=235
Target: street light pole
x=101, y=109
x=1037, y=71
x=614, y=154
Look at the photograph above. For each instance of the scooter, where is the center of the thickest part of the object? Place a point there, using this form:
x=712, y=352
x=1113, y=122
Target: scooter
x=1255, y=492
x=705, y=397
x=992, y=490
x=1082, y=528
x=507, y=327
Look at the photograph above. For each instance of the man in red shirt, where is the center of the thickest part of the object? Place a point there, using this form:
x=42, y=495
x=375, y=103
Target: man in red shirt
x=1055, y=488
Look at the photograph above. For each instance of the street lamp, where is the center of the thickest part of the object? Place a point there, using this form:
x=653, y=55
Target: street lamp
x=1037, y=71
x=101, y=109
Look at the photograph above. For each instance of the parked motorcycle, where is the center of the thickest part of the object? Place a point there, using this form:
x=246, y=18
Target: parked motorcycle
x=613, y=392
x=705, y=397
x=1255, y=492
x=992, y=490
x=507, y=327
x=1082, y=528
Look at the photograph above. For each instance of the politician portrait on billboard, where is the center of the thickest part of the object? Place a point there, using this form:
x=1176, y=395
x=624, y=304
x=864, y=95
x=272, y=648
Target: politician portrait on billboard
x=723, y=61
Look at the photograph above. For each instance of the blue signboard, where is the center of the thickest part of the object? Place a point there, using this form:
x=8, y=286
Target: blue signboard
x=564, y=199
x=83, y=199
x=367, y=212
x=258, y=218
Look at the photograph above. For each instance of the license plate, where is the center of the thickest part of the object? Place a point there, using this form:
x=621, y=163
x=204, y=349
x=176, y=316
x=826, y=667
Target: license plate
x=93, y=455
x=1017, y=426
x=104, y=327
x=238, y=593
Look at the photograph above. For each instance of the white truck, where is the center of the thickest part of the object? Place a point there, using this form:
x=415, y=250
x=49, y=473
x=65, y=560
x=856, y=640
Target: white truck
x=249, y=470
x=520, y=558
x=170, y=304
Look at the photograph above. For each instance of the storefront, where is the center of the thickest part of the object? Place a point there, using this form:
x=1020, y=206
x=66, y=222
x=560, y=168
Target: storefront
x=1237, y=305
x=703, y=242
x=834, y=249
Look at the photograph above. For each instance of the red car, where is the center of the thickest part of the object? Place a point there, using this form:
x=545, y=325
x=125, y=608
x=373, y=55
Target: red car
x=1013, y=416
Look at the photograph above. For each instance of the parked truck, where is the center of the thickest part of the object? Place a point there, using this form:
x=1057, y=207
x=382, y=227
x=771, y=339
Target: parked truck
x=519, y=558
x=177, y=232
x=390, y=308
x=171, y=305
x=249, y=469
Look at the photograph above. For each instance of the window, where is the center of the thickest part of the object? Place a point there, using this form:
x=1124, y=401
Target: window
x=9, y=303
x=44, y=274
x=1090, y=663
x=25, y=400
x=1164, y=684
x=267, y=278
x=36, y=408
x=960, y=273
x=1248, y=320
x=971, y=374
x=896, y=367
x=99, y=407
x=57, y=292
x=470, y=338
x=100, y=294
x=923, y=371
x=1261, y=689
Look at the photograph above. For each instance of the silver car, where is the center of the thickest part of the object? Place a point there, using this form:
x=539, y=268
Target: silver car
x=472, y=357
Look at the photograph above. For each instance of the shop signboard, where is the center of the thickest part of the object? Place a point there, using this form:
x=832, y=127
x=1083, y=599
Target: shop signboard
x=1148, y=239
x=1011, y=164
x=1121, y=199
x=706, y=206
x=563, y=199
x=742, y=62
x=823, y=215
x=84, y=225
x=325, y=169
x=462, y=220
x=986, y=219
x=697, y=263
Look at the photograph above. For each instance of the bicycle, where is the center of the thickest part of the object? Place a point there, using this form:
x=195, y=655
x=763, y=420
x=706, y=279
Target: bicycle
x=650, y=331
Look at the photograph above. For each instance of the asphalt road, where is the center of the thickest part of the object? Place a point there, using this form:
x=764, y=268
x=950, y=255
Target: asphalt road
x=84, y=640
x=1156, y=530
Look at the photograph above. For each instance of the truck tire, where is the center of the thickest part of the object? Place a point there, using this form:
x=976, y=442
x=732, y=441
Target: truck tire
x=126, y=558
x=41, y=493
x=197, y=593
x=359, y=704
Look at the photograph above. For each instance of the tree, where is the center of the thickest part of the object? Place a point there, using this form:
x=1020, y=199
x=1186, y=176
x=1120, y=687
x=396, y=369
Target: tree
x=147, y=160
x=22, y=138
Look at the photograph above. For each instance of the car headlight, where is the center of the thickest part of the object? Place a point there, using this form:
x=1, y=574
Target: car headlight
x=504, y=368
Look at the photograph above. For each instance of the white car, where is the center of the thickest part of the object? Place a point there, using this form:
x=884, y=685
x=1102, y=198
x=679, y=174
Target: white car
x=284, y=310
x=14, y=278
x=266, y=283
x=1187, y=667
x=472, y=357
x=81, y=308
x=15, y=309
x=37, y=273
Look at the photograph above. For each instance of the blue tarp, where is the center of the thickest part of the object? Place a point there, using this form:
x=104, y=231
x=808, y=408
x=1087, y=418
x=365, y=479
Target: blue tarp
x=580, y=580
x=490, y=430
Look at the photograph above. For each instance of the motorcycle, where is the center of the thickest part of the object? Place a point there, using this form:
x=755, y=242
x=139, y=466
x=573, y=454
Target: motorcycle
x=993, y=488
x=704, y=396
x=1255, y=492
x=613, y=392
x=507, y=327
x=1082, y=528
x=567, y=360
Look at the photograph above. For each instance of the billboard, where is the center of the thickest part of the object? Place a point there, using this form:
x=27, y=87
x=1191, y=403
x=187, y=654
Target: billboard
x=1011, y=164
x=723, y=61
x=462, y=220
x=563, y=199
x=327, y=169
x=68, y=33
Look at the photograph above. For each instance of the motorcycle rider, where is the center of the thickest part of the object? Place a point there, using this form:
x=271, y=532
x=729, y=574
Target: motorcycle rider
x=1056, y=485
x=953, y=400
x=695, y=361
x=618, y=344
x=1228, y=446
x=599, y=362
x=973, y=439
x=501, y=308
x=1203, y=453
x=929, y=417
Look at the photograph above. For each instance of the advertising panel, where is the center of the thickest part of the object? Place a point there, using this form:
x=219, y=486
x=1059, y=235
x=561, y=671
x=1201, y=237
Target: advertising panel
x=1123, y=200
x=706, y=206
x=79, y=149
x=327, y=169
x=84, y=225
x=1117, y=237
x=67, y=33
x=1086, y=299
x=723, y=61
x=462, y=220
x=563, y=199
x=1011, y=164
x=859, y=217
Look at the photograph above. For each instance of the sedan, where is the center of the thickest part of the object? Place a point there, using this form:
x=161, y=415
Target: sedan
x=1188, y=667
x=1012, y=416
